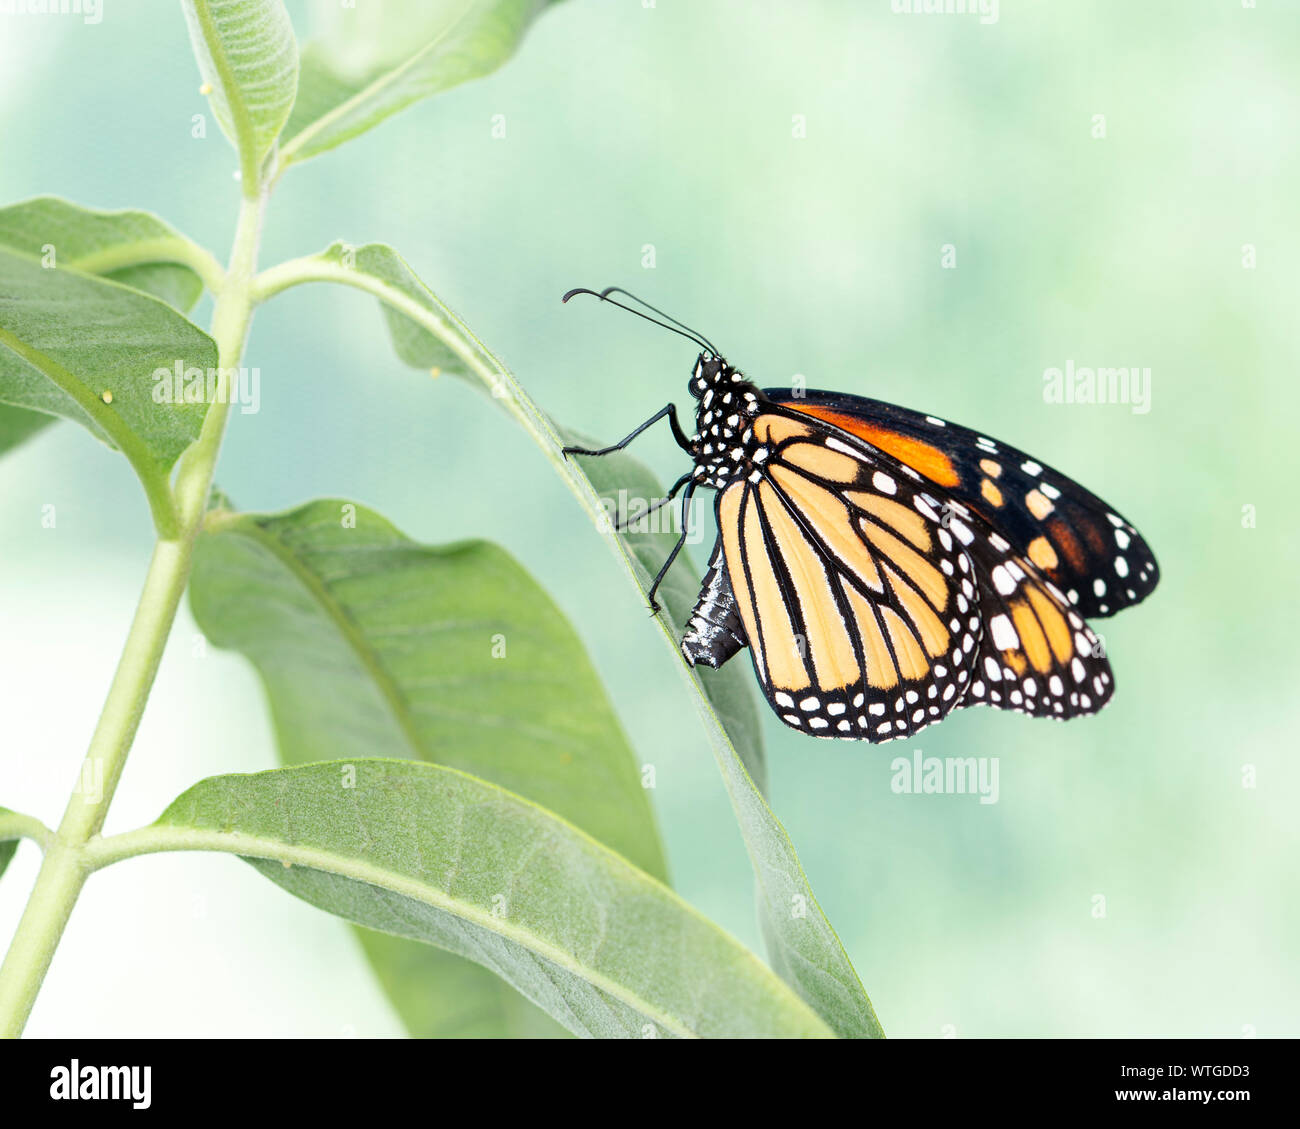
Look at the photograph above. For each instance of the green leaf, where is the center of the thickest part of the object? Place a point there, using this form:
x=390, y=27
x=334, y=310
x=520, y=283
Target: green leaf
x=378, y=265
x=728, y=690
x=370, y=643
x=87, y=349
x=18, y=425
x=801, y=943
x=440, y=995
x=378, y=60
x=436, y=855
x=248, y=55
x=134, y=248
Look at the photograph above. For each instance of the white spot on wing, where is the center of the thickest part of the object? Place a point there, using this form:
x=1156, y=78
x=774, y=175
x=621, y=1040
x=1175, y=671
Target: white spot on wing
x=1004, y=635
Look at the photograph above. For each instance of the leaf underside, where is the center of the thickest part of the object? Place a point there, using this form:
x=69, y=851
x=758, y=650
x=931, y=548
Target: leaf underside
x=432, y=854
x=375, y=62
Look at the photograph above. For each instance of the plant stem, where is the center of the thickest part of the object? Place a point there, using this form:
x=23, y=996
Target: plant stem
x=65, y=867
x=164, y=249
x=16, y=825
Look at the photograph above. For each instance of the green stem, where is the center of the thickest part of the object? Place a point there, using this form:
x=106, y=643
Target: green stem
x=166, y=249
x=65, y=866
x=15, y=825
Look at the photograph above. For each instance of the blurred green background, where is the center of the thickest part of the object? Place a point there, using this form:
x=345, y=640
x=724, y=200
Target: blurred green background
x=671, y=126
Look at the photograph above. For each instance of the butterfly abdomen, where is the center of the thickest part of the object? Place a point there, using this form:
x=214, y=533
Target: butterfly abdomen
x=715, y=631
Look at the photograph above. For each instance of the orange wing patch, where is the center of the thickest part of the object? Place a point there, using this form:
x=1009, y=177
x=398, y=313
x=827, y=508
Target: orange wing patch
x=1066, y=543
x=922, y=457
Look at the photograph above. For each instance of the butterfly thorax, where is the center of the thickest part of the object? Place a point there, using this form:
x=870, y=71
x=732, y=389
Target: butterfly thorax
x=724, y=444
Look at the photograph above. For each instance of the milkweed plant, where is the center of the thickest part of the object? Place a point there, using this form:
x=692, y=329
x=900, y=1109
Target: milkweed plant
x=472, y=829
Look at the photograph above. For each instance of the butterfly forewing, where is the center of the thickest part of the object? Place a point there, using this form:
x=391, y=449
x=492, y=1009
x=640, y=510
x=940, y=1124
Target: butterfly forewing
x=859, y=607
x=1072, y=538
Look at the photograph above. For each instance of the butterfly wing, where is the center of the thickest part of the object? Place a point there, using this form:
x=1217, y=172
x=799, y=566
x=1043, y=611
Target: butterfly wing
x=1036, y=654
x=1070, y=536
x=858, y=606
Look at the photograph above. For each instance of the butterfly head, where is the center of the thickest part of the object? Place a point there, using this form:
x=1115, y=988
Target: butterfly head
x=708, y=373
x=713, y=374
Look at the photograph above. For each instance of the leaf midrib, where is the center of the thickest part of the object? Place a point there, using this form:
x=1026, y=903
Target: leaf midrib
x=147, y=467
x=300, y=140
x=241, y=119
x=354, y=636
x=317, y=858
x=335, y=613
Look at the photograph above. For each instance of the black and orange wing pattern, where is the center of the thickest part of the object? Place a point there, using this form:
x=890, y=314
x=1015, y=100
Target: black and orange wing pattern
x=858, y=606
x=886, y=567
x=1037, y=655
x=1070, y=536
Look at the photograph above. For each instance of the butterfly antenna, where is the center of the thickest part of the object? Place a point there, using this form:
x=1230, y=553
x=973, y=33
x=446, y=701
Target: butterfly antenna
x=671, y=324
x=667, y=317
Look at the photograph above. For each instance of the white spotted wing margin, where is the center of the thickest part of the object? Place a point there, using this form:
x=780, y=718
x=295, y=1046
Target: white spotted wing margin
x=1037, y=656
x=859, y=607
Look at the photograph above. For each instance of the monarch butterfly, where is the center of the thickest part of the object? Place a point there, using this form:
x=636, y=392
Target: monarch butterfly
x=886, y=567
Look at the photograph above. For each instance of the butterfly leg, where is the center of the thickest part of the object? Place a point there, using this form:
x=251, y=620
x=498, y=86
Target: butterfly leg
x=669, y=410
x=659, y=505
x=686, y=521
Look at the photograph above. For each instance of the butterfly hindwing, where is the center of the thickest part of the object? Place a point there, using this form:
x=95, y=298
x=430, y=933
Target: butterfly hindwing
x=859, y=608
x=1071, y=537
x=1036, y=654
